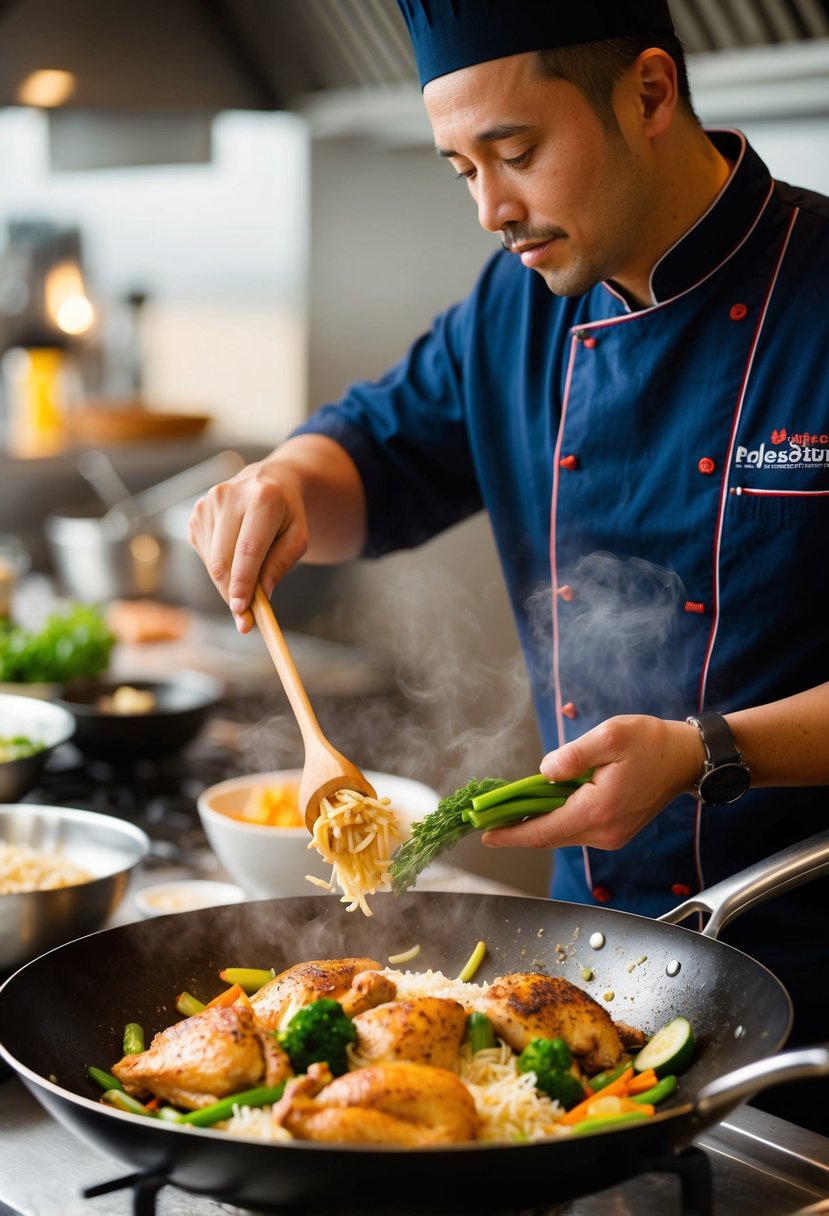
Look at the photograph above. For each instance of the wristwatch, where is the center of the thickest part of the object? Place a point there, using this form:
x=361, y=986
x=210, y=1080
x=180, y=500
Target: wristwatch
x=726, y=776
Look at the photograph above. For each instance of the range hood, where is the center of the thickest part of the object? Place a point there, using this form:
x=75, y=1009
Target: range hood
x=292, y=54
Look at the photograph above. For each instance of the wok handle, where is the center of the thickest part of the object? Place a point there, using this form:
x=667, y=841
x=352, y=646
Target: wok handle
x=734, y=1087
x=800, y=863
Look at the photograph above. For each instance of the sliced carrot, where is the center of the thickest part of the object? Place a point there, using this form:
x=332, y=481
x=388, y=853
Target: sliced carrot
x=228, y=997
x=642, y=1081
x=617, y=1088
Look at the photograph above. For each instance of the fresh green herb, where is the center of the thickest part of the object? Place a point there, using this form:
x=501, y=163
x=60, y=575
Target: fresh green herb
x=440, y=830
x=71, y=644
x=479, y=805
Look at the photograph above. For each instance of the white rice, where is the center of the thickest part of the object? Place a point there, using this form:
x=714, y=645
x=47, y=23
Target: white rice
x=508, y=1104
x=23, y=868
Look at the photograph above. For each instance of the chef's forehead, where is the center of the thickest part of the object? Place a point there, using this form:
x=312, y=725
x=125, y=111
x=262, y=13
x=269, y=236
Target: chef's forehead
x=451, y=34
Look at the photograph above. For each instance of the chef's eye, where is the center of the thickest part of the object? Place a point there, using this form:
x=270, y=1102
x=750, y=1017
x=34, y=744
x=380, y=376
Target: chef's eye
x=517, y=162
x=464, y=175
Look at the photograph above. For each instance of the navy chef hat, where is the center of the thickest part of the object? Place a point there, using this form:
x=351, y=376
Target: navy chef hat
x=452, y=34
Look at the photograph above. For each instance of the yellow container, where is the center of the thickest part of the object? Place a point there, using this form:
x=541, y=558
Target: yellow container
x=35, y=379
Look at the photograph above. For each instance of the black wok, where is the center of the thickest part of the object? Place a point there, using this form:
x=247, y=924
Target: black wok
x=67, y=1010
x=182, y=704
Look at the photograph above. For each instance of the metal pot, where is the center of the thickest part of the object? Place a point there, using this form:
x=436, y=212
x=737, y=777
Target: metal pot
x=32, y=922
x=122, y=549
x=87, y=991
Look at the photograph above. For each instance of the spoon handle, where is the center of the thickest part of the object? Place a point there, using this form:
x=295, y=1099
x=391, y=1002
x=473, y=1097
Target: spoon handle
x=286, y=668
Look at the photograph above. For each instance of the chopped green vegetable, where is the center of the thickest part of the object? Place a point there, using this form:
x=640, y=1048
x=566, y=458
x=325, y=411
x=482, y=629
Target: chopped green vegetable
x=551, y=1061
x=472, y=963
x=133, y=1039
x=71, y=644
x=657, y=1093
x=264, y=1095
x=124, y=1101
x=102, y=1078
x=602, y=1079
x=188, y=1004
x=669, y=1051
x=318, y=1032
x=250, y=978
x=601, y=1123
x=480, y=1033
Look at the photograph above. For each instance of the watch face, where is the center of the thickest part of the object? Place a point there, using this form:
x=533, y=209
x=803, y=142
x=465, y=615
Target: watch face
x=723, y=784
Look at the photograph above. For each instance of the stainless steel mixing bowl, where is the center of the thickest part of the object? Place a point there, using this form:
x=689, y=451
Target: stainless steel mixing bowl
x=32, y=922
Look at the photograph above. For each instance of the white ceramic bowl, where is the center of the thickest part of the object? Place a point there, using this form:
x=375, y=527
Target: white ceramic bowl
x=185, y=895
x=269, y=861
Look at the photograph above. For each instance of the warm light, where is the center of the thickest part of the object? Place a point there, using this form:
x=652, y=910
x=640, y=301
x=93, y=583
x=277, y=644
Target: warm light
x=75, y=315
x=67, y=305
x=47, y=88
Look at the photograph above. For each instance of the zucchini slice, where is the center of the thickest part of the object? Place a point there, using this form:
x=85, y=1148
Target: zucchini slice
x=669, y=1051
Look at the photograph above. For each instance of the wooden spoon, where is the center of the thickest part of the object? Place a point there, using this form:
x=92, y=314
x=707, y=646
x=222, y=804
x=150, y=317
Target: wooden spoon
x=325, y=771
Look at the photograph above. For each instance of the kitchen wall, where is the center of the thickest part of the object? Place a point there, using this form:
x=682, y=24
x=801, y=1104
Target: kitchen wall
x=221, y=249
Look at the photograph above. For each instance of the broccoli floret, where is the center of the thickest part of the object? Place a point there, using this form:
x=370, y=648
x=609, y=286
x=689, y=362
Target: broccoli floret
x=320, y=1031
x=551, y=1061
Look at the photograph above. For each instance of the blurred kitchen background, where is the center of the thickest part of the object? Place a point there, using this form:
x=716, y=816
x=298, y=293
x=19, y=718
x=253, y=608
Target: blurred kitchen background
x=215, y=214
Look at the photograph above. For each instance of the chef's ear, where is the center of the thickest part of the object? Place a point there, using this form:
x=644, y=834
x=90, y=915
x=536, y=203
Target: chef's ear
x=656, y=80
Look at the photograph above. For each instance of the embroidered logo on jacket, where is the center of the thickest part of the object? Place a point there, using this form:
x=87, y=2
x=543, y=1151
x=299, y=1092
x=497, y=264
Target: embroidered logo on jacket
x=801, y=450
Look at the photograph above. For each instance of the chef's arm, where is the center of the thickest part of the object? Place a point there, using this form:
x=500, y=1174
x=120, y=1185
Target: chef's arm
x=641, y=763
x=787, y=742
x=303, y=501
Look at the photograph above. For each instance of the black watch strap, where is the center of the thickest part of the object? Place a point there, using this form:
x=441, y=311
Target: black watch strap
x=725, y=776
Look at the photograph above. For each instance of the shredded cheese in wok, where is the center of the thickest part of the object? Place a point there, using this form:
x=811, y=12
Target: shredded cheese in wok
x=356, y=835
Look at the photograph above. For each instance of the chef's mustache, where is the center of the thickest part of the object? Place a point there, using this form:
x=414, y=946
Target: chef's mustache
x=513, y=236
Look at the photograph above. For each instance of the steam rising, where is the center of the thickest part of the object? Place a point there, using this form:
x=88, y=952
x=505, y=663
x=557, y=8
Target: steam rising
x=622, y=649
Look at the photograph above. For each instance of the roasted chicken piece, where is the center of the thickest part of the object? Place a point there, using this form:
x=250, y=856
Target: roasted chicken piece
x=338, y=979
x=424, y=1030
x=400, y=1103
x=523, y=1007
x=217, y=1052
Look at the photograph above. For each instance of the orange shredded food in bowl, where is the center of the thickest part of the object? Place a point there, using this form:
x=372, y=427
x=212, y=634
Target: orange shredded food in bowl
x=273, y=806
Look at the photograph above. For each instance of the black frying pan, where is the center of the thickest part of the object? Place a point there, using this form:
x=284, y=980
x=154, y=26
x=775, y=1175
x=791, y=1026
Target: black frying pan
x=67, y=1010
x=182, y=704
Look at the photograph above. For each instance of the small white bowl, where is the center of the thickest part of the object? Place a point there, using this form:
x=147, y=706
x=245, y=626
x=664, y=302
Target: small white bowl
x=185, y=895
x=272, y=862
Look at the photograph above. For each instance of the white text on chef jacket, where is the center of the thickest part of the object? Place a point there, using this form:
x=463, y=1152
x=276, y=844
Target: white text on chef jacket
x=794, y=454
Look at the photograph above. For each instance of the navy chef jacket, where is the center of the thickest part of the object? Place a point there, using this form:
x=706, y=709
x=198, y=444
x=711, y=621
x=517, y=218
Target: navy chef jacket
x=658, y=487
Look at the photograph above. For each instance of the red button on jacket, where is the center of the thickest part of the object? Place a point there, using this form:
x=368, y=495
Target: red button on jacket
x=601, y=895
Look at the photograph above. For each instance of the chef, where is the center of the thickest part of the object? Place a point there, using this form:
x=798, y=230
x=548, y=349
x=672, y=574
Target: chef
x=636, y=392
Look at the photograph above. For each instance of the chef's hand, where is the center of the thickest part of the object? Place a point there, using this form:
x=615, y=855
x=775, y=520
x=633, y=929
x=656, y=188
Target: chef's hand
x=304, y=500
x=639, y=763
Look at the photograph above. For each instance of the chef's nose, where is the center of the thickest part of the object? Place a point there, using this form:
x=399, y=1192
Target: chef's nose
x=497, y=207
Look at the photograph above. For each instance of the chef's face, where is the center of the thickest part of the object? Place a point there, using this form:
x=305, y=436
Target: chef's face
x=571, y=198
